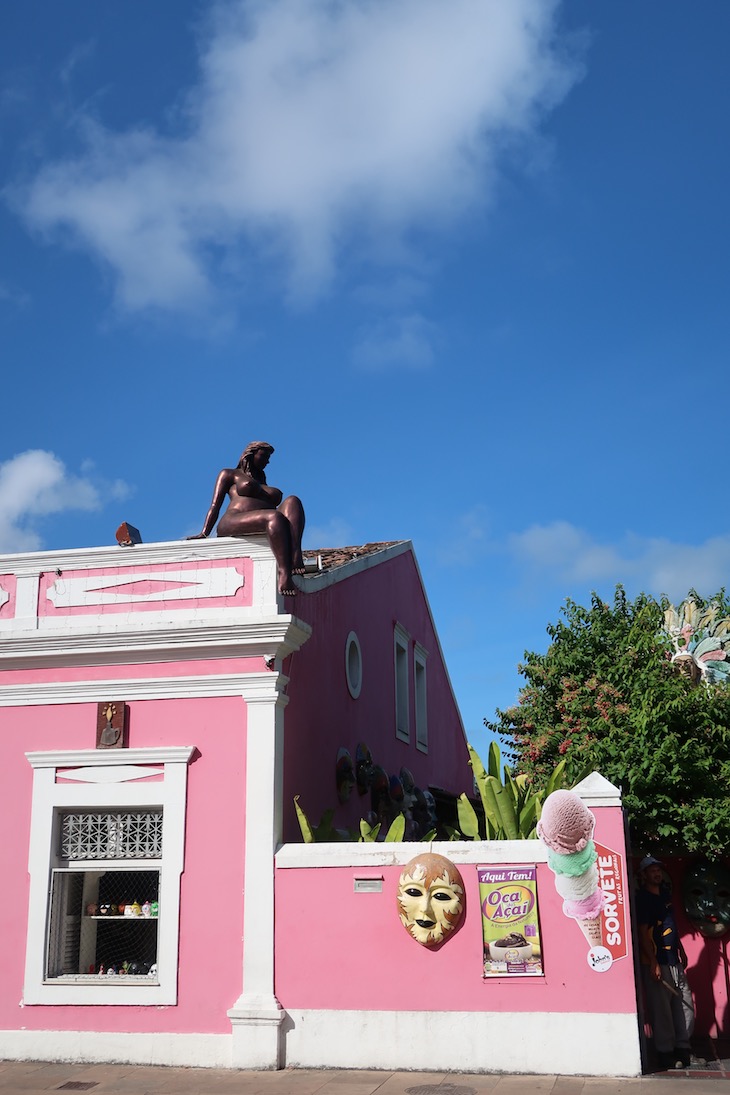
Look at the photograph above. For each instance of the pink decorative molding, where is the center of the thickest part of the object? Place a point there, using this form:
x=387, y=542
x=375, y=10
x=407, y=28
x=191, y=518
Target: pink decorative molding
x=218, y=583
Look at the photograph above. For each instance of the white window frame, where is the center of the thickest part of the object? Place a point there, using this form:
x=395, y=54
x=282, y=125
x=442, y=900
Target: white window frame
x=100, y=780
x=401, y=645
x=353, y=665
x=420, y=696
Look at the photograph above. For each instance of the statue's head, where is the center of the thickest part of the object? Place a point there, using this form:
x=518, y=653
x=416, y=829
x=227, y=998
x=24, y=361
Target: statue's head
x=706, y=893
x=250, y=452
x=430, y=898
x=687, y=667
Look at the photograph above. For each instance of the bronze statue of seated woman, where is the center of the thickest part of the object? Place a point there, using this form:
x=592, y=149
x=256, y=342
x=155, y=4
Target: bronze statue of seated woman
x=254, y=506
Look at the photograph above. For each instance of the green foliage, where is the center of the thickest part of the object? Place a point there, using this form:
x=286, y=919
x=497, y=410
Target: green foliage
x=605, y=696
x=326, y=833
x=511, y=804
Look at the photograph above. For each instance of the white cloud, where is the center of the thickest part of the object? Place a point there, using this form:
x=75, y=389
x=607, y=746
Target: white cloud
x=569, y=555
x=317, y=127
x=14, y=297
x=468, y=541
x=399, y=340
x=35, y=484
x=335, y=533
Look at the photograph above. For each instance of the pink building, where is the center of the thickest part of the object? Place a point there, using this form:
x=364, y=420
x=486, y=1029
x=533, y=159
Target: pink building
x=157, y=915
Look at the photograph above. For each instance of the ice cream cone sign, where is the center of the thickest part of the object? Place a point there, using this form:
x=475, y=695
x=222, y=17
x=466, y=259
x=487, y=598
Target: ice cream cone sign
x=566, y=829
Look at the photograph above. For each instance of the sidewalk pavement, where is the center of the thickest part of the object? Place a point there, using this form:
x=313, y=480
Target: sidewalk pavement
x=28, y=1077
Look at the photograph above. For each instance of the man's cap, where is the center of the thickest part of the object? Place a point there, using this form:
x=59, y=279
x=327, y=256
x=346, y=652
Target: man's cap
x=649, y=861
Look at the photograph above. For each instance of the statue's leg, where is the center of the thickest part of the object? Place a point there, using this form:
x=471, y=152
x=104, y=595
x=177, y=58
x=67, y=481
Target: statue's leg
x=279, y=532
x=293, y=510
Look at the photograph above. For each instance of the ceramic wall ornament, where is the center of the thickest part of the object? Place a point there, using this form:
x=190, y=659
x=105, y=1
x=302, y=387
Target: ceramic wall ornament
x=432, y=818
x=382, y=806
x=363, y=768
x=706, y=893
x=430, y=898
x=395, y=788
x=111, y=725
x=345, y=775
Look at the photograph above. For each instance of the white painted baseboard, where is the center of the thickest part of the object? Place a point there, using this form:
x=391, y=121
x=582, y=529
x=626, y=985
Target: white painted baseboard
x=574, y=1044
x=191, y=1050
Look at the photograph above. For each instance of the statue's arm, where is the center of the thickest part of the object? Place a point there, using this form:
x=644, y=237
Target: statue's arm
x=222, y=486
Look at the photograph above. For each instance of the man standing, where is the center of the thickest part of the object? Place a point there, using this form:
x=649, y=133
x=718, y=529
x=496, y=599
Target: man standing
x=663, y=962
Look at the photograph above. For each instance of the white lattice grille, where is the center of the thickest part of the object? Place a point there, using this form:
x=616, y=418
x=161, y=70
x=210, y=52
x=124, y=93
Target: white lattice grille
x=129, y=835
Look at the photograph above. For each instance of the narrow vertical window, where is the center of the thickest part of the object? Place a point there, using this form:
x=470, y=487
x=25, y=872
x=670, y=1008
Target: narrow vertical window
x=402, y=723
x=421, y=697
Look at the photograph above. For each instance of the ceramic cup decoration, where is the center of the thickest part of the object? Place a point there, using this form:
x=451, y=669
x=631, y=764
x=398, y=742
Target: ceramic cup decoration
x=128, y=910
x=154, y=909
x=103, y=910
x=136, y=909
x=92, y=909
x=430, y=898
x=146, y=910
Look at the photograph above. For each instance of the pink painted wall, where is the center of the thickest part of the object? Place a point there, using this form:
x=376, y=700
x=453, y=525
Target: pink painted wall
x=212, y=882
x=708, y=971
x=8, y=583
x=322, y=716
x=359, y=956
x=182, y=668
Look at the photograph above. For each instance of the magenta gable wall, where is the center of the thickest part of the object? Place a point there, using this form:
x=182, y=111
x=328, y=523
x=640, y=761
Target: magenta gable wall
x=322, y=716
x=359, y=957
x=212, y=882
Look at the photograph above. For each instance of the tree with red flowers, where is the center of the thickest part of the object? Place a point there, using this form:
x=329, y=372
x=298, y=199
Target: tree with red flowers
x=609, y=695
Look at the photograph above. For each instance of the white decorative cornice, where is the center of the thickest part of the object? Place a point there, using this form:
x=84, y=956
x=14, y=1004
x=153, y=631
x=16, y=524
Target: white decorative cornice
x=276, y=636
x=170, y=551
x=252, y=687
x=91, y=758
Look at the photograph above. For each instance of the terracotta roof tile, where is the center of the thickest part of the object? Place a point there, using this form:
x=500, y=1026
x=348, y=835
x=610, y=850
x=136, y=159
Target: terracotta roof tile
x=337, y=557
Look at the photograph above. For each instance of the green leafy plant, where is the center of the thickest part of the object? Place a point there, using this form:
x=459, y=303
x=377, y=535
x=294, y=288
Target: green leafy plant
x=326, y=833
x=511, y=804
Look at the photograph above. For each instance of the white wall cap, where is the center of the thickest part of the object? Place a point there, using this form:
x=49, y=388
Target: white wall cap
x=596, y=790
x=352, y=854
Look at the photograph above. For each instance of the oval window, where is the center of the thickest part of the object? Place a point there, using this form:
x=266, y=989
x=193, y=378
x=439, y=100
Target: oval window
x=353, y=665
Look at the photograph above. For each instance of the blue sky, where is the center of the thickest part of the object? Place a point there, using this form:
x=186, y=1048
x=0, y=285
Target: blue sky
x=463, y=262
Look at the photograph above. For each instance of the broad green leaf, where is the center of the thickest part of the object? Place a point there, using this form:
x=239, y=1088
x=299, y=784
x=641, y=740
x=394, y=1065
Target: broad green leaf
x=468, y=821
x=506, y=809
x=397, y=830
x=307, y=831
x=494, y=761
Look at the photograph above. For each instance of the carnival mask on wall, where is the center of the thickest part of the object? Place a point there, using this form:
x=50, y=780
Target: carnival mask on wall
x=706, y=892
x=430, y=898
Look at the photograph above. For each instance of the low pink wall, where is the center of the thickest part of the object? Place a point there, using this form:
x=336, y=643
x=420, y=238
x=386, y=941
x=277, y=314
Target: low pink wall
x=336, y=949
x=211, y=885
